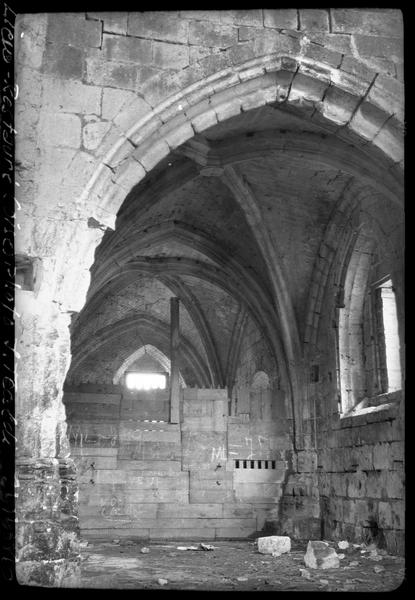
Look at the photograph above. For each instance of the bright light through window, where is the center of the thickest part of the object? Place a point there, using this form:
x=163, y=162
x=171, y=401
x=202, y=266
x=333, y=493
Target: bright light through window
x=390, y=324
x=145, y=381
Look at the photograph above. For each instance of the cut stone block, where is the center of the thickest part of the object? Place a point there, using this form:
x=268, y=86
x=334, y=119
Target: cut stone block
x=274, y=544
x=320, y=555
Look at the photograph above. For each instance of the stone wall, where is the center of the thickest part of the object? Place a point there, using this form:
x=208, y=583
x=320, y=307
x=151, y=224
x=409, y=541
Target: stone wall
x=360, y=452
x=362, y=479
x=209, y=477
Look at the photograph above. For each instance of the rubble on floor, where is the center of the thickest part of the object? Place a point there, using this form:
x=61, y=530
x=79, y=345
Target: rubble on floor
x=320, y=555
x=199, y=547
x=274, y=544
x=234, y=565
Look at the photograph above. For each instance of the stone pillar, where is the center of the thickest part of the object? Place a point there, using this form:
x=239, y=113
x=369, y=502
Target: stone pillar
x=174, y=350
x=46, y=530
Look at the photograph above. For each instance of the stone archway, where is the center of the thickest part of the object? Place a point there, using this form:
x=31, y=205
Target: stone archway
x=96, y=183
x=273, y=79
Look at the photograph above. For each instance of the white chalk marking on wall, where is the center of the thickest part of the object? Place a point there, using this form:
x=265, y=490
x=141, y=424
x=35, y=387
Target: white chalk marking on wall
x=218, y=453
x=248, y=442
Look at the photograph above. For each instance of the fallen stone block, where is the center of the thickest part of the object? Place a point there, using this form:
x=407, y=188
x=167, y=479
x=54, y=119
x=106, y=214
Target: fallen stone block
x=343, y=545
x=145, y=550
x=320, y=555
x=162, y=581
x=274, y=544
x=206, y=547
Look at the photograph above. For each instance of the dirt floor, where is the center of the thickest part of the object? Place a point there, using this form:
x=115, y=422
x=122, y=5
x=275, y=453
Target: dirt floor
x=233, y=566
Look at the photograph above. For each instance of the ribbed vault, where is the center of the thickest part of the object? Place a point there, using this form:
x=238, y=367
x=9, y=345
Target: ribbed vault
x=232, y=222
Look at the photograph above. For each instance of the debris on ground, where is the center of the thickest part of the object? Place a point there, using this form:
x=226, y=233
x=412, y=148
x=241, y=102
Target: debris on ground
x=206, y=546
x=305, y=573
x=116, y=541
x=162, y=581
x=375, y=554
x=323, y=581
x=201, y=546
x=354, y=563
x=343, y=545
x=118, y=568
x=320, y=555
x=274, y=544
x=145, y=550
x=242, y=579
x=349, y=585
x=127, y=543
x=83, y=544
x=341, y=556
x=378, y=569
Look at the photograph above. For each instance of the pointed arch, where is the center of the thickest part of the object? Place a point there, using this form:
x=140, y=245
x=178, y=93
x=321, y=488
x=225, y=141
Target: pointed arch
x=154, y=352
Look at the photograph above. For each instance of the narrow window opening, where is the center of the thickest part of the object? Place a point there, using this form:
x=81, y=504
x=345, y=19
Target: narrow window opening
x=389, y=332
x=145, y=381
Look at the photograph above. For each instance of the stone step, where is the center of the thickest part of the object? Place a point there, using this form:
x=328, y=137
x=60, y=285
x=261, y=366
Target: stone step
x=125, y=520
x=211, y=484
x=121, y=494
x=182, y=534
x=89, y=464
x=207, y=424
x=211, y=474
x=95, y=434
x=149, y=434
x=109, y=506
x=163, y=466
x=93, y=451
x=211, y=496
x=134, y=479
x=144, y=450
x=109, y=533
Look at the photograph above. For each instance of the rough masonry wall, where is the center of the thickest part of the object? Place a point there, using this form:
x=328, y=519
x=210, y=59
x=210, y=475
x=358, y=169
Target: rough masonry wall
x=360, y=457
